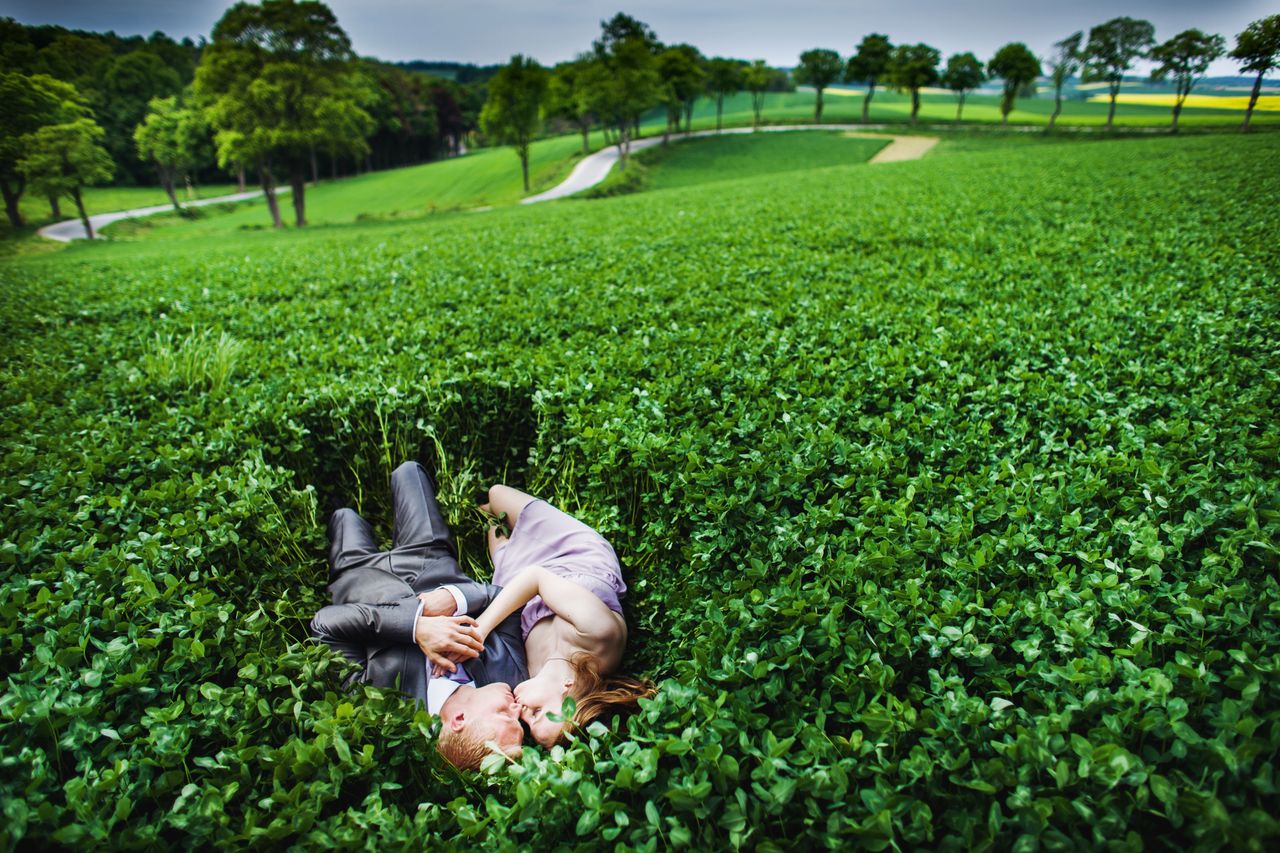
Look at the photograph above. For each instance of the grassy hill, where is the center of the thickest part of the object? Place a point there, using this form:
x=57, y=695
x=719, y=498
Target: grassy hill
x=703, y=160
x=36, y=211
x=844, y=104
x=489, y=176
x=946, y=493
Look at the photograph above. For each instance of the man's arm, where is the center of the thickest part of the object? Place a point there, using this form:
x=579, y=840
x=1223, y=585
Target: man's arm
x=398, y=621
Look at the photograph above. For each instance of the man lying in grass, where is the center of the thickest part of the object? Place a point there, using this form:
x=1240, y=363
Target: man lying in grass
x=399, y=612
x=405, y=615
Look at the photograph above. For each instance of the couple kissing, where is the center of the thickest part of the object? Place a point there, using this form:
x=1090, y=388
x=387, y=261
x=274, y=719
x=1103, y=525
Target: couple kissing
x=494, y=661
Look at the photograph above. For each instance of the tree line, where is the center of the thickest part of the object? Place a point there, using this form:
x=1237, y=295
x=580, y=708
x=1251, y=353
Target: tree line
x=629, y=71
x=278, y=89
x=138, y=100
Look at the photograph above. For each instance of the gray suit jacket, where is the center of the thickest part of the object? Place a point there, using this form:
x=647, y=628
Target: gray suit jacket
x=372, y=622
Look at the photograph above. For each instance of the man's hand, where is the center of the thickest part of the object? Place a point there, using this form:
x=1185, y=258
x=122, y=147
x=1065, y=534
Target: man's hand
x=444, y=639
x=438, y=602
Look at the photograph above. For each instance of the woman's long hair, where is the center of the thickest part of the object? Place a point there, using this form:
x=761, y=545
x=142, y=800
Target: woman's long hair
x=603, y=697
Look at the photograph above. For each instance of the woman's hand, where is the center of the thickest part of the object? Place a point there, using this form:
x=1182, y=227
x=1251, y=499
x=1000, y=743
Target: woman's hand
x=446, y=639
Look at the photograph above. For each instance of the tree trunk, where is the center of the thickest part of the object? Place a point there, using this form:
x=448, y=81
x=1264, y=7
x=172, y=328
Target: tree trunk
x=622, y=146
x=54, y=209
x=719, y=110
x=1253, y=99
x=688, y=116
x=817, y=110
x=960, y=108
x=915, y=104
x=523, y=151
x=11, y=197
x=298, y=180
x=84, y=217
x=866, y=102
x=166, y=181
x=269, y=192
x=240, y=179
x=1184, y=89
x=1111, y=113
x=1057, y=107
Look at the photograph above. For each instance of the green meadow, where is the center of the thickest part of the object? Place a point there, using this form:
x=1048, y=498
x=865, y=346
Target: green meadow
x=36, y=210
x=489, y=176
x=844, y=104
x=947, y=494
x=744, y=157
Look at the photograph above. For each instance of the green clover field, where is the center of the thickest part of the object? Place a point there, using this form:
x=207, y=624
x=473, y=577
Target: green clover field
x=947, y=492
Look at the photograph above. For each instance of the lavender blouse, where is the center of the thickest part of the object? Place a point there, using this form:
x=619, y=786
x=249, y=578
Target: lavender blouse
x=558, y=542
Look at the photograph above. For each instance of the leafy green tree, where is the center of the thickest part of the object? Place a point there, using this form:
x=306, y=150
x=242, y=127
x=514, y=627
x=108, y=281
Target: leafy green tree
x=512, y=112
x=626, y=51
x=757, y=77
x=867, y=65
x=682, y=80
x=724, y=79
x=1111, y=51
x=30, y=102
x=819, y=68
x=160, y=139
x=129, y=83
x=62, y=159
x=1258, y=51
x=195, y=144
x=912, y=67
x=1019, y=68
x=75, y=59
x=1185, y=57
x=277, y=80
x=964, y=74
x=571, y=95
x=1064, y=62
x=398, y=101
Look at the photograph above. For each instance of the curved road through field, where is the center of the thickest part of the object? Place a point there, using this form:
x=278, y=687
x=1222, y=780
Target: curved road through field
x=589, y=172
x=73, y=229
x=595, y=167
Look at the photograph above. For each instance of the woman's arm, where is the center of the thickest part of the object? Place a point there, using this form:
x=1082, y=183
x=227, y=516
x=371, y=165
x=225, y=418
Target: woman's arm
x=578, y=606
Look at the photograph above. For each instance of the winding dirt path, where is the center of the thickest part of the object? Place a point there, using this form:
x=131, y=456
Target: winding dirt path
x=73, y=229
x=590, y=171
x=593, y=169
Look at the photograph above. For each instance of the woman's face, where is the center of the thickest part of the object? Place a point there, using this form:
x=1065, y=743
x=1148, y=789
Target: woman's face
x=539, y=697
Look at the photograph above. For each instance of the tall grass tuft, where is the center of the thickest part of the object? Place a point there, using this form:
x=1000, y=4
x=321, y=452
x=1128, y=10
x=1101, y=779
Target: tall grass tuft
x=199, y=360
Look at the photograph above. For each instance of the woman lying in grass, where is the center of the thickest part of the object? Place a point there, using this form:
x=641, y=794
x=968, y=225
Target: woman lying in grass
x=568, y=579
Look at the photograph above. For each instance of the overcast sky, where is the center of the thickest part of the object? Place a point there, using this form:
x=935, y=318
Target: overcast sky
x=489, y=31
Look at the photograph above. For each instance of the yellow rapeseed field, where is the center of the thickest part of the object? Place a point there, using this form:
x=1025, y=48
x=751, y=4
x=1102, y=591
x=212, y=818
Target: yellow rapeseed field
x=1270, y=103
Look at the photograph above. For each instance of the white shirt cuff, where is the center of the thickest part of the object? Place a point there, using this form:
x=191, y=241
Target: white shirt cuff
x=460, y=603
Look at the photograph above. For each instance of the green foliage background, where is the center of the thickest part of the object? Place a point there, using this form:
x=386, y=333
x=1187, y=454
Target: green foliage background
x=947, y=493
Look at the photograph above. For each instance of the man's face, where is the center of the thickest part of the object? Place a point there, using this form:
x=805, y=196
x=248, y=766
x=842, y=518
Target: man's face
x=494, y=710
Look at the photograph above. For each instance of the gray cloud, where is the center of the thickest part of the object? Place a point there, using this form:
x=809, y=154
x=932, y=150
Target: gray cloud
x=489, y=31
